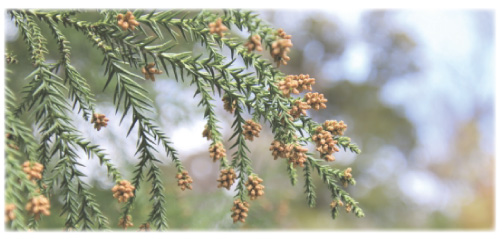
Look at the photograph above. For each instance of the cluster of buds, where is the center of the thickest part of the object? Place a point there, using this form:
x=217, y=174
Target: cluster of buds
x=184, y=180
x=145, y=227
x=229, y=105
x=316, y=100
x=123, y=191
x=296, y=155
x=240, y=211
x=149, y=71
x=334, y=127
x=99, y=121
x=299, y=108
x=279, y=149
x=33, y=170
x=9, y=212
x=325, y=143
x=280, y=48
x=37, y=205
x=254, y=43
x=336, y=203
x=217, y=151
x=251, y=130
x=295, y=84
x=126, y=222
x=127, y=21
x=217, y=27
x=347, y=175
x=227, y=178
x=206, y=132
x=254, y=187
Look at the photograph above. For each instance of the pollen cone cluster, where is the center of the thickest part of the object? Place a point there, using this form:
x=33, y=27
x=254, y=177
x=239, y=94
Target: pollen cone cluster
x=240, y=211
x=126, y=222
x=297, y=155
x=316, y=100
x=295, y=84
x=127, y=21
x=251, y=130
x=206, y=133
x=217, y=151
x=217, y=27
x=9, y=212
x=149, y=71
x=347, y=173
x=227, y=178
x=279, y=150
x=254, y=43
x=38, y=205
x=280, y=48
x=33, y=170
x=336, y=203
x=254, y=187
x=145, y=227
x=184, y=180
x=334, y=127
x=99, y=121
x=123, y=191
x=299, y=108
x=325, y=143
x=227, y=105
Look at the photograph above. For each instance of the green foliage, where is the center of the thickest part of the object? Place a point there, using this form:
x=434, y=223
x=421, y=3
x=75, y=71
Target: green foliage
x=50, y=98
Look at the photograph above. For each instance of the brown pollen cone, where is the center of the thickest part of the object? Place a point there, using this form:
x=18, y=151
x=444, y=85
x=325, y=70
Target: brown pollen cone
x=149, y=71
x=38, y=205
x=251, y=130
x=254, y=43
x=9, y=212
x=325, y=143
x=126, y=222
x=297, y=155
x=227, y=178
x=184, y=180
x=279, y=149
x=127, y=22
x=217, y=27
x=334, y=127
x=299, y=108
x=217, y=151
x=123, y=191
x=240, y=211
x=254, y=187
x=33, y=170
x=315, y=100
x=99, y=121
x=227, y=105
x=206, y=133
x=281, y=47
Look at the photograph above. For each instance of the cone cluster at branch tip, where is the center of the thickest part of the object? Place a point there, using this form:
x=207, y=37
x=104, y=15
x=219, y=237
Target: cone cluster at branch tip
x=217, y=151
x=206, y=133
x=149, y=71
x=336, y=203
x=239, y=211
x=99, y=121
x=334, y=127
x=184, y=180
x=296, y=154
x=299, y=108
x=254, y=43
x=251, y=130
x=227, y=178
x=217, y=27
x=33, y=170
x=281, y=47
x=123, y=191
x=145, y=227
x=38, y=205
x=347, y=173
x=254, y=187
x=295, y=84
x=279, y=150
x=230, y=107
x=127, y=22
x=9, y=212
x=316, y=100
x=325, y=143
x=126, y=222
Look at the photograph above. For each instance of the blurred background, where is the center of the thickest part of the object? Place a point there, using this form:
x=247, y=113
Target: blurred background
x=416, y=89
